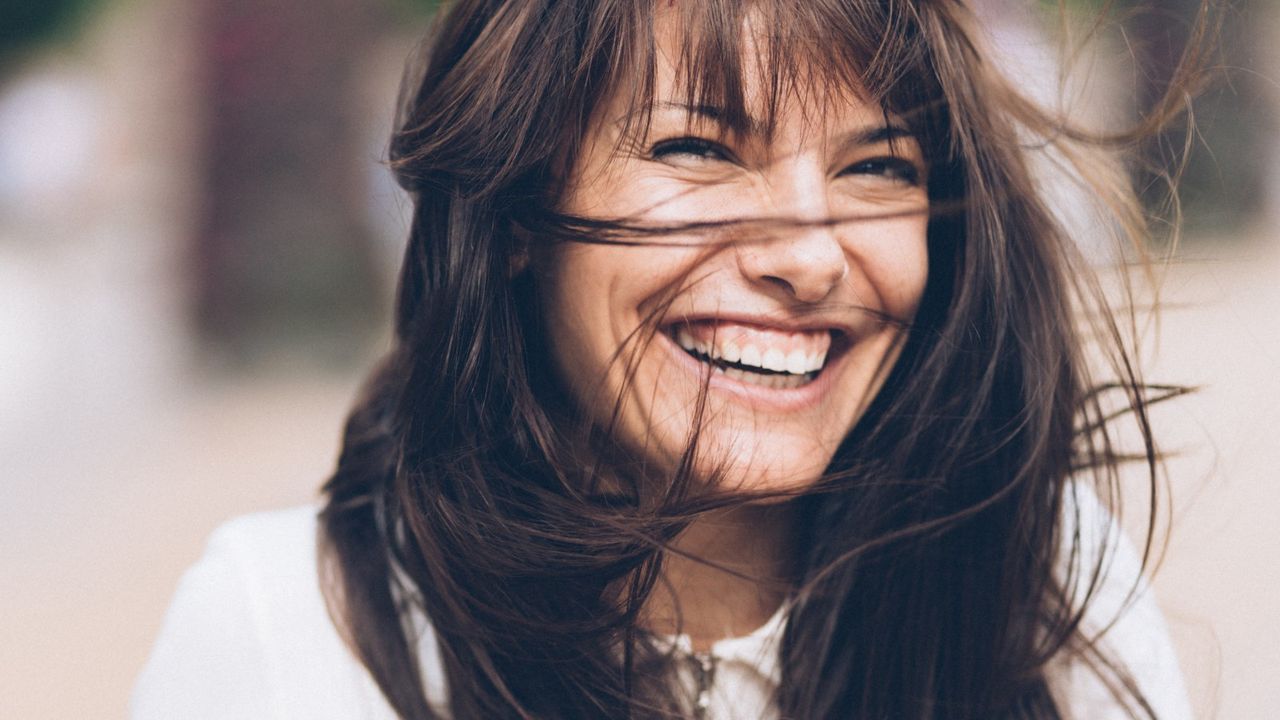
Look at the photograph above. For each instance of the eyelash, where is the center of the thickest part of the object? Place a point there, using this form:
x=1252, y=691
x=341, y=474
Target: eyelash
x=893, y=168
x=693, y=146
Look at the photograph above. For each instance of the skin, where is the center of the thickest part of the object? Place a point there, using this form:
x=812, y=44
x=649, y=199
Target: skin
x=830, y=157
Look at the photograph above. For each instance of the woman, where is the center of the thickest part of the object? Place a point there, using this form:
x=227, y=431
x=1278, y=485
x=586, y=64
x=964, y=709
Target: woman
x=739, y=372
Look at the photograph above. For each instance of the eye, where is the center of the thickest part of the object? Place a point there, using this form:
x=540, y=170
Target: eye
x=889, y=167
x=687, y=150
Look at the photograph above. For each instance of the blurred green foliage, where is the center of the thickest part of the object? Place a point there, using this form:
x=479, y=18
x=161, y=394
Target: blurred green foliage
x=418, y=7
x=25, y=24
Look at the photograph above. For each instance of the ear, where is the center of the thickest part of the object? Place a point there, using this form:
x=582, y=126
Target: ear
x=518, y=261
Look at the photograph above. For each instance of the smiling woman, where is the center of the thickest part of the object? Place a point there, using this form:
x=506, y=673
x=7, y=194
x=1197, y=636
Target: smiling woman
x=739, y=372
x=791, y=327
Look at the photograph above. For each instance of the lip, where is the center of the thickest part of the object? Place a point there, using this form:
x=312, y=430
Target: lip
x=785, y=324
x=777, y=400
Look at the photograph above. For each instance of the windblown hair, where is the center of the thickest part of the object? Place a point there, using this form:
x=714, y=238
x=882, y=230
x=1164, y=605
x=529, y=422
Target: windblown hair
x=929, y=583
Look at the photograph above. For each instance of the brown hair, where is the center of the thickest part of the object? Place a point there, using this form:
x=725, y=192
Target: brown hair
x=927, y=584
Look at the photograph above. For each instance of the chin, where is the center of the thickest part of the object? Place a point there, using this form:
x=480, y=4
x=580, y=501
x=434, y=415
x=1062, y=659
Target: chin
x=752, y=465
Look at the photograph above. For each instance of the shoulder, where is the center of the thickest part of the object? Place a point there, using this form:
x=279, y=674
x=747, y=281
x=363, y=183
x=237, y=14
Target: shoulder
x=271, y=555
x=1104, y=573
x=248, y=633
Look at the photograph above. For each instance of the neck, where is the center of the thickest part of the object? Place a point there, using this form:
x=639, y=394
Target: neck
x=729, y=576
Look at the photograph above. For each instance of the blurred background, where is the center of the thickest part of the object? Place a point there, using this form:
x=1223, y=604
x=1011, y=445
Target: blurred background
x=198, y=246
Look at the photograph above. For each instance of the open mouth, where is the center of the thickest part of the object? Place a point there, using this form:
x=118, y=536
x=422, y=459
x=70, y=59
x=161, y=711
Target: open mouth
x=758, y=356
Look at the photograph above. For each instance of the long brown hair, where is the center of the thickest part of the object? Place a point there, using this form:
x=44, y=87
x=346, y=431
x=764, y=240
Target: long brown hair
x=927, y=586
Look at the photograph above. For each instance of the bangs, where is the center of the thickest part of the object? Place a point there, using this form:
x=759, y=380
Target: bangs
x=741, y=60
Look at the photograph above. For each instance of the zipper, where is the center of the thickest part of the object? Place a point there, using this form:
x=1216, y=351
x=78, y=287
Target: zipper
x=704, y=673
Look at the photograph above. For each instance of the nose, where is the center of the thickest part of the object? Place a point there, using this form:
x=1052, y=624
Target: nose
x=804, y=261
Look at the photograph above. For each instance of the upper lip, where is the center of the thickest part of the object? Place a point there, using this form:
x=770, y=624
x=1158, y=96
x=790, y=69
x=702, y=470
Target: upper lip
x=778, y=321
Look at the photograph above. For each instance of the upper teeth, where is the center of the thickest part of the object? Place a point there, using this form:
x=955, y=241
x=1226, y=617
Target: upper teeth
x=795, y=362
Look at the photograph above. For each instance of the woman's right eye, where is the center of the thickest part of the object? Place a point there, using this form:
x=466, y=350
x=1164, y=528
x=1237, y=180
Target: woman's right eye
x=689, y=150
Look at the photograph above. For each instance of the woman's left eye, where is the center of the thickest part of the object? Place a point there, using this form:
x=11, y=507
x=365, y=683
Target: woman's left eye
x=893, y=168
x=689, y=150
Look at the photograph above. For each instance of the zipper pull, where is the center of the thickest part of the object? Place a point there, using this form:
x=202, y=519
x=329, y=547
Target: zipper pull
x=704, y=672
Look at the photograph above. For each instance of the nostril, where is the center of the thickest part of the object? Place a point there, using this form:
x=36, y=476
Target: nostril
x=780, y=283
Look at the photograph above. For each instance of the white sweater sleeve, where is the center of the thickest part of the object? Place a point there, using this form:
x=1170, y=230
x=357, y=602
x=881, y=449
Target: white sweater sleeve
x=1137, y=637
x=208, y=662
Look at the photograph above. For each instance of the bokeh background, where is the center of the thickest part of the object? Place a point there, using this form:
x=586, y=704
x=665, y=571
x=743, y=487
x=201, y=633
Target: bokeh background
x=198, y=245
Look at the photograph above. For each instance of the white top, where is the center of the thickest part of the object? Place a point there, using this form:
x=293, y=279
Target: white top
x=248, y=636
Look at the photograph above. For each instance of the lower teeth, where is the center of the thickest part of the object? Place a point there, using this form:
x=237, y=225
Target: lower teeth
x=777, y=381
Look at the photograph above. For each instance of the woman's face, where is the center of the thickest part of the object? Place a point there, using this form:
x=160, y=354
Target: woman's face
x=795, y=326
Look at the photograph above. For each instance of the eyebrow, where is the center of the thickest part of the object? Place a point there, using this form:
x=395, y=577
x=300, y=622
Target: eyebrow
x=870, y=135
x=876, y=135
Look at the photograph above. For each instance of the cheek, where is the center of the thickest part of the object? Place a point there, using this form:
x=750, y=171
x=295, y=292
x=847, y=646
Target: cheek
x=573, y=290
x=593, y=300
x=898, y=266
